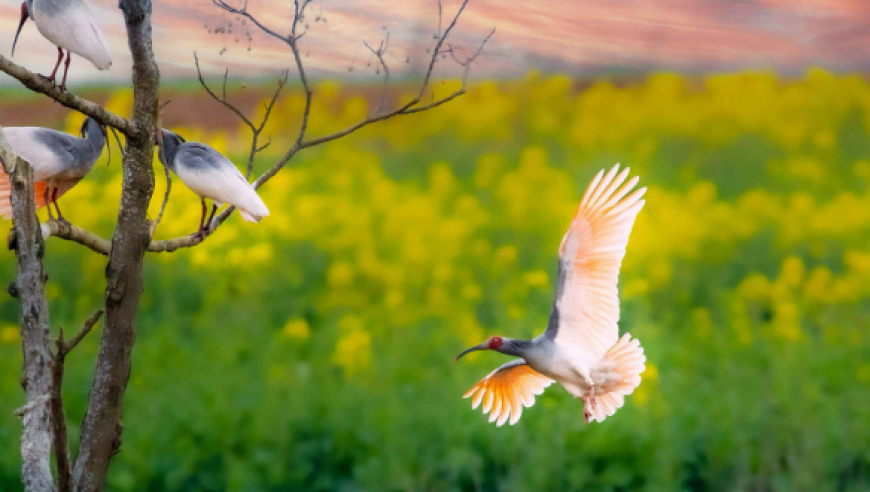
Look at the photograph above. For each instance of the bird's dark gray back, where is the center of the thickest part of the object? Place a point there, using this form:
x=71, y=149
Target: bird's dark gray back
x=62, y=145
x=198, y=157
x=52, y=7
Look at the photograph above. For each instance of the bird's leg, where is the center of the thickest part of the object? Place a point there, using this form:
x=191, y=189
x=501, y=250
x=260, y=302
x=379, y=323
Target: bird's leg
x=47, y=199
x=57, y=207
x=66, y=69
x=589, y=401
x=208, y=222
x=201, y=231
x=591, y=391
x=51, y=77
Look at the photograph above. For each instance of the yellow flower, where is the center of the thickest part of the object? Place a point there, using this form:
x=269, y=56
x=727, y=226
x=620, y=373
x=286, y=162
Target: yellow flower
x=340, y=273
x=297, y=328
x=10, y=334
x=353, y=352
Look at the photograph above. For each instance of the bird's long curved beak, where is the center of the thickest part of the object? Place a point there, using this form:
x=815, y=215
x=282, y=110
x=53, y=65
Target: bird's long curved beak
x=24, y=16
x=482, y=346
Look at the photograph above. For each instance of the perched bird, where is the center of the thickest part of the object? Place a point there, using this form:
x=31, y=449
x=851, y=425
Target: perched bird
x=69, y=25
x=59, y=161
x=581, y=348
x=211, y=175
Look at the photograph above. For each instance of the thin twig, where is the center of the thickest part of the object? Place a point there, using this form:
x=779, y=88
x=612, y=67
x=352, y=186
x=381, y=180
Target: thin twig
x=165, y=202
x=222, y=100
x=66, y=348
x=101, y=245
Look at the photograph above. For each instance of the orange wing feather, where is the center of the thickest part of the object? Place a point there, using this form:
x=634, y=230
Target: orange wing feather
x=505, y=391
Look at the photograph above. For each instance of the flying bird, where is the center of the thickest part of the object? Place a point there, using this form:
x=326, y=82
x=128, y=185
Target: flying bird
x=59, y=161
x=581, y=348
x=211, y=175
x=69, y=25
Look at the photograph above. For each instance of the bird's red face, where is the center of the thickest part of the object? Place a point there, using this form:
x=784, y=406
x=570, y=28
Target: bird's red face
x=494, y=343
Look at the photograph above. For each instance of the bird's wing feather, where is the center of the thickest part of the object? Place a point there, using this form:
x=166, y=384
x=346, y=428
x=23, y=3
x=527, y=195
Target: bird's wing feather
x=73, y=27
x=211, y=175
x=49, y=152
x=505, y=391
x=591, y=253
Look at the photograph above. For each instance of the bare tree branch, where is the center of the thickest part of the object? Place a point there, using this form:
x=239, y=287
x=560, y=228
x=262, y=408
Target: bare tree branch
x=67, y=347
x=256, y=130
x=100, y=245
x=59, y=428
x=33, y=315
x=101, y=428
x=37, y=83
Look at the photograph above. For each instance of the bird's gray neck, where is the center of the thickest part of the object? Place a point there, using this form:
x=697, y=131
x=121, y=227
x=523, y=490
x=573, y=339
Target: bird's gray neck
x=95, y=142
x=518, y=348
x=167, y=153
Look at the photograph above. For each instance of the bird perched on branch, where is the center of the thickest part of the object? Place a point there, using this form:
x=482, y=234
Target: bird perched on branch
x=59, y=161
x=210, y=175
x=581, y=348
x=69, y=25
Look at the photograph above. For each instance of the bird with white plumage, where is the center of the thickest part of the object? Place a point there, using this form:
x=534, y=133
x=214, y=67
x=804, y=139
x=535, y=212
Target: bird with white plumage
x=211, y=176
x=69, y=25
x=59, y=161
x=581, y=348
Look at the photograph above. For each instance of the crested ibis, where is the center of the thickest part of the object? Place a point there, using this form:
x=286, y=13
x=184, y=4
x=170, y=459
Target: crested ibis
x=580, y=348
x=59, y=161
x=210, y=175
x=69, y=25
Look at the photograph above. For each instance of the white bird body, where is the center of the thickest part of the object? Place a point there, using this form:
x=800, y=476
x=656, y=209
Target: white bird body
x=70, y=24
x=211, y=176
x=581, y=348
x=59, y=160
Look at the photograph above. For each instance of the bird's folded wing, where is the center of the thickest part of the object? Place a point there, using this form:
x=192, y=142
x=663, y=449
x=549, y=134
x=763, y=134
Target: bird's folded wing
x=211, y=175
x=505, y=391
x=590, y=256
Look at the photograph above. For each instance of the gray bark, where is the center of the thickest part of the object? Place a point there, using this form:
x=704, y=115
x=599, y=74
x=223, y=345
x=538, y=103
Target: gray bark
x=29, y=287
x=101, y=428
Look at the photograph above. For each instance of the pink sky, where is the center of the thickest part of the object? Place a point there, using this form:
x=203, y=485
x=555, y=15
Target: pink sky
x=576, y=36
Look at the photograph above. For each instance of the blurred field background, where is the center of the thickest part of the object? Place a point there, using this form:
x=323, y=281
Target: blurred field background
x=313, y=351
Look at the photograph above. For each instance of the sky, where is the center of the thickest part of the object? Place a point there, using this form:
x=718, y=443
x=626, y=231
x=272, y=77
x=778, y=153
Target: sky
x=581, y=37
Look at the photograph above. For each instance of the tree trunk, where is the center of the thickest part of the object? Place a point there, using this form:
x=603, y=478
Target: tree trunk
x=29, y=287
x=101, y=428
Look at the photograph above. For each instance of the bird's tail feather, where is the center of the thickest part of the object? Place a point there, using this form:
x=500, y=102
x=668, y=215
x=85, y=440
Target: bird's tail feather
x=628, y=361
x=6, y=194
x=254, y=210
x=249, y=217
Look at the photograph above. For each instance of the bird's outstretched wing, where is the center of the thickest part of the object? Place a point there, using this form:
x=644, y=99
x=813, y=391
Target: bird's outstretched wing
x=505, y=391
x=586, y=308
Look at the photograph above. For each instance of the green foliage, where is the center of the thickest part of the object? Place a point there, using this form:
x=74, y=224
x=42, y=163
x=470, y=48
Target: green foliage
x=313, y=351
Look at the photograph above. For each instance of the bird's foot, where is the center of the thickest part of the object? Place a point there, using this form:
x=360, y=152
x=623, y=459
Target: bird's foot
x=47, y=78
x=201, y=234
x=589, y=403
